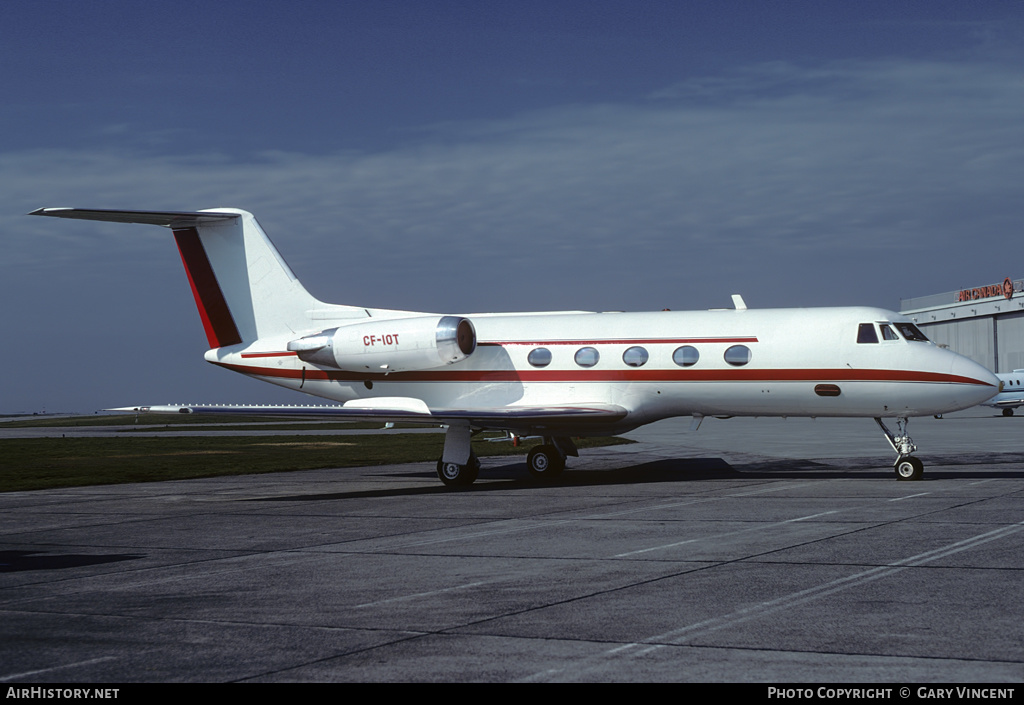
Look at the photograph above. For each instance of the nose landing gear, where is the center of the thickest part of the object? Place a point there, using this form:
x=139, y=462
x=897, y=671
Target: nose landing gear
x=907, y=466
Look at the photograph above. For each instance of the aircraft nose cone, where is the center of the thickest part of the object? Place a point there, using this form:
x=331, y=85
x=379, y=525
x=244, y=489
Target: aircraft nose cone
x=978, y=382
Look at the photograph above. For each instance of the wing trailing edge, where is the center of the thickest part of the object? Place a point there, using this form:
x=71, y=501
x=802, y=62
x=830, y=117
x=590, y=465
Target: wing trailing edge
x=400, y=409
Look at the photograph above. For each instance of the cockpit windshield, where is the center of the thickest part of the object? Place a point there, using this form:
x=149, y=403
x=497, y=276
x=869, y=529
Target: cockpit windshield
x=866, y=332
x=911, y=332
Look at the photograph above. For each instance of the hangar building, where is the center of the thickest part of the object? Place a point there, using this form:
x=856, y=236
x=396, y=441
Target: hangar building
x=985, y=324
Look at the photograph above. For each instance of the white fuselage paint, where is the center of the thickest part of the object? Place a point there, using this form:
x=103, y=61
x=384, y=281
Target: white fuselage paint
x=792, y=353
x=1011, y=395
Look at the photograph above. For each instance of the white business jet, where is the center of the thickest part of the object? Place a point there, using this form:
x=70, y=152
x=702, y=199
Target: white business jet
x=1011, y=392
x=554, y=375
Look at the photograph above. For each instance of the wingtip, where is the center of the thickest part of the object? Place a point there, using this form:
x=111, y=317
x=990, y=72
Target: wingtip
x=159, y=409
x=49, y=211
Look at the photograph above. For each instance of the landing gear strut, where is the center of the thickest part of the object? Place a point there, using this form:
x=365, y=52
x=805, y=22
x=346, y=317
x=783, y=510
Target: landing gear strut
x=458, y=466
x=907, y=466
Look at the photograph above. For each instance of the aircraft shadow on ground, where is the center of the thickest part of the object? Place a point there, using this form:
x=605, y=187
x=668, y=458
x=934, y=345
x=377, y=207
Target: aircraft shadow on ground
x=20, y=561
x=515, y=477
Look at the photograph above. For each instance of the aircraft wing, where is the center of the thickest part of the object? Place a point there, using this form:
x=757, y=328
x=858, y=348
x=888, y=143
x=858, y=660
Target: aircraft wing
x=1011, y=402
x=407, y=410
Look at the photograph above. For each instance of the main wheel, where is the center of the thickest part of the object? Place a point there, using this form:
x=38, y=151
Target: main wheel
x=909, y=468
x=455, y=475
x=1007, y=412
x=545, y=462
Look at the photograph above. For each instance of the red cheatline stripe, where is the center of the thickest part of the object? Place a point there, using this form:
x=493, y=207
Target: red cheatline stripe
x=779, y=375
x=213, y=309
x=637, y=341
x=623, y=341
x=246, y=356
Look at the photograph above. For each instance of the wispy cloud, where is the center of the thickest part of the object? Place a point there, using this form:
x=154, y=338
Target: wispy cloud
x=870, y=160
x=839, y=183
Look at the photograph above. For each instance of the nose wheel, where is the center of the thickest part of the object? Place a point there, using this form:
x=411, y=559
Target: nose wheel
x=907, y=466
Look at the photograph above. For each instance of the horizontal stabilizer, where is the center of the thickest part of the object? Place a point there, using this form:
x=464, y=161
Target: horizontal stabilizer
x=243, y=288
x=169, y=219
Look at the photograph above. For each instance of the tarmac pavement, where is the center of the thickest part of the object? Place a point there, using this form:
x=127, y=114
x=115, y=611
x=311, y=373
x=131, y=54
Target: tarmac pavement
x=754, y=550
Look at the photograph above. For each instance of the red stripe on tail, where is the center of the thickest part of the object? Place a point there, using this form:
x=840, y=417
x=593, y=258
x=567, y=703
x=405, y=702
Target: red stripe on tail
x=213, y=308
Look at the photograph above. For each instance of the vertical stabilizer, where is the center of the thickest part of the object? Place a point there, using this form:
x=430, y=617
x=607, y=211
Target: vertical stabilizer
x=244, y=290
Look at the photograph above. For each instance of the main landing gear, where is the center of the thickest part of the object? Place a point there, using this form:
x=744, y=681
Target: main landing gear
x=907, y=466
x=456, y=475
x=459, y=466
x=546, y=462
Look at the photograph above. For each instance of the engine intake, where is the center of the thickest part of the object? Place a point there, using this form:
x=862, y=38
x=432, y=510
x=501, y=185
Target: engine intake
x=390, y=345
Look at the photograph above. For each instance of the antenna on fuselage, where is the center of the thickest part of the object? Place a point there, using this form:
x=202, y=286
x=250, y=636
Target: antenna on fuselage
x=738, y=303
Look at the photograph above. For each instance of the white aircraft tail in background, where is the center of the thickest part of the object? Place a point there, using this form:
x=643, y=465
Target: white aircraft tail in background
x=554, y=375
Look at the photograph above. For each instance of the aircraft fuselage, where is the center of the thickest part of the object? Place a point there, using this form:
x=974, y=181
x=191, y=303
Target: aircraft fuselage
x=747, y=362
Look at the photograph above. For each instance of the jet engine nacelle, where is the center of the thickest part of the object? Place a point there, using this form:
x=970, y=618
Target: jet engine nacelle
x=390, y=345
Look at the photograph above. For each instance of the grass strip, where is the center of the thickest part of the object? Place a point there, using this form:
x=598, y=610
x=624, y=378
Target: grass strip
x=45, y=463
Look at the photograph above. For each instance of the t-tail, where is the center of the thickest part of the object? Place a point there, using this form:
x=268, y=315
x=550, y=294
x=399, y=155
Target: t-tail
x=243, y=288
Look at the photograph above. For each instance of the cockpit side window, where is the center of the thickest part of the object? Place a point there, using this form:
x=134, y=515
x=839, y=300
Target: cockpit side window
x=887, y=332
x=866, y=333
x=911, y=332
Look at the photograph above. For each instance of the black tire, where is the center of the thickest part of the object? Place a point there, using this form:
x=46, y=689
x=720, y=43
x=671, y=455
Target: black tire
x=455, y=475
x=1007, y=412
x=909, y=469
x=545, y=462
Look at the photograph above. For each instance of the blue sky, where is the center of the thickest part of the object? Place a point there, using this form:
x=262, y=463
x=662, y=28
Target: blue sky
x=477, y=156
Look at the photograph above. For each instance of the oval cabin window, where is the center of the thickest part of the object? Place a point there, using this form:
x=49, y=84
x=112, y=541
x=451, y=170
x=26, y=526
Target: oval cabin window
x=737, y=355
x=587, y=357
x=635, y=356
x=686, y=356
x=539, y=357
